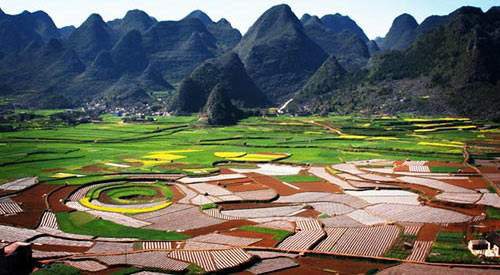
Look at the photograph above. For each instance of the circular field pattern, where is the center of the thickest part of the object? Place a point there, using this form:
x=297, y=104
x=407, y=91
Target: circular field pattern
x=128, y=197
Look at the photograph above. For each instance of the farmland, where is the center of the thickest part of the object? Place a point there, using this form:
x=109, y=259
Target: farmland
x=175, y=195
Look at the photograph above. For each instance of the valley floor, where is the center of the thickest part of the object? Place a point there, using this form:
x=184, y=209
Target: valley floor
x=270, y=195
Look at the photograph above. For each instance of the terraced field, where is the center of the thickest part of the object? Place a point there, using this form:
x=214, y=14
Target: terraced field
x=177, y=196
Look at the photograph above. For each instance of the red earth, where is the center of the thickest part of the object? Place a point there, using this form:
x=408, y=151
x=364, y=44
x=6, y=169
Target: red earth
x=33, y=204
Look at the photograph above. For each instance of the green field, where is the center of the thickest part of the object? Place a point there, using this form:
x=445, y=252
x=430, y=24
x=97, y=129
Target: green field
x=92, y=151
x=398, y=250
x=85, y=224
x=449, y=247
x=298, y=178
x=278, y=235
x=56, y=269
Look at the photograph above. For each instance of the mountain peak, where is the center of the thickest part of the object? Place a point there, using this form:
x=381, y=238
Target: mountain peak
x=136, y=13
x=278, y=54
x=313, y=20
x=133, y=20
x=402, y=33
x=305, y=17
x=283, y=9
x=224, y=22
x=329, y=77
x=467, y=10
x=273, y=23
x=406, y=19
x=493, y=10
x=94, y=19
x=93, y=36
x=200, y=15
x=339, y=23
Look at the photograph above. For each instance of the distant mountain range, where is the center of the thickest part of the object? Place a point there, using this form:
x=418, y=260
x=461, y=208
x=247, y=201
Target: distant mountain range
x=445, y=65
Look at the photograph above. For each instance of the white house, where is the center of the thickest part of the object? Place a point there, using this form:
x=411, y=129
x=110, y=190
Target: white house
x=488, y=247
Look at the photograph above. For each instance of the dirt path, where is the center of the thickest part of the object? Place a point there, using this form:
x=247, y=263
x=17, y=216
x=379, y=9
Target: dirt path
x=329, y=128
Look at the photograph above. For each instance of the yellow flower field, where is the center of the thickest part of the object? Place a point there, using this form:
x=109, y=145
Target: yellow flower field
x=454, y=145
x=65, y=175
x=164, y=156
x=229, y=154
x=352, y=137
x=86, y=202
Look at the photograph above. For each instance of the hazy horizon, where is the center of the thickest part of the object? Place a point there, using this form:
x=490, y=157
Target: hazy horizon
x=374, y=17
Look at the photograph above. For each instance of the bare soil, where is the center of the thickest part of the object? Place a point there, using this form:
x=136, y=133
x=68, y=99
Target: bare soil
x=94, y=169
x=273, y=183
x=33, y=204
x=56, y=199
x=218, y=227
x=251, y=205
x=317, y=265
x=317, y=186
x=267, y=239
x=428, y=232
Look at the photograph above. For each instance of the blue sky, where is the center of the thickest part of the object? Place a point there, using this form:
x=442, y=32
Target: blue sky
x=374, y=16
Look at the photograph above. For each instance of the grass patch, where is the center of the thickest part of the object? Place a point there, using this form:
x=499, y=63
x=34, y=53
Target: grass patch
x=85, y=224
x=444, y=169
x=126, y=271
x=278, y=234
x=449, y=247
x=57, y=269
x=324, y=216
x=95, y=192
x=492, y=213
x=127, y=192
x=298, y=178
x=128, y=195
x=399, y=250
x=491, y=188
x=208, y=206
x=195, y=269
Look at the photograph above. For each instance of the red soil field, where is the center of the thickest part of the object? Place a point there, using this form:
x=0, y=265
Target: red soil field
x=488, y=169
x=218, y=227
x=428, y=232
x=94, y=169
x=178, y=195
x=33, y=204
x=273, y=183
x=310, y=213
x=471, y=183
x=422, y=189
x=246, y=186
x=267, y=239
x=56, y=199
x=401, y=168
x=473, y=210
x=225, y=171
x=317, y=265
x=251, y=205
x=318, y=186
x=65, y=248
x=489, y=225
